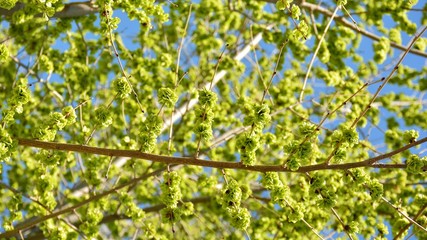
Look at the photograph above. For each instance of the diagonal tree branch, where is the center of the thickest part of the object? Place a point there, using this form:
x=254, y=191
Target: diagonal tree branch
x=36, y=221
x=343, y=21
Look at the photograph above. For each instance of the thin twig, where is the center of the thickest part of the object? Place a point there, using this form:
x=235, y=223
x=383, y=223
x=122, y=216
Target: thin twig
x=36, y=221
x=409, y=224
x=403, y=214
x=110, y=31
x=316, y=51
x=389, y=76
x=341, y=222
x=192, y=102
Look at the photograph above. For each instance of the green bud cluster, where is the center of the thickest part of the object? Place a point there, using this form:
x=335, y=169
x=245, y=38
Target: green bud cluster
x=278, y=191
x=301, y=31
x=45, y=63
x=49, y=158
x=258, y=116
x=45, y=185
x=247, y=145
x=8, y=4
x=295, y=12
x=415, y=164
x=56, y=121
x=167, y=97
x=300, y=153
x=143, y=11
x=130, y=208
x=92, y=174
x=171, y=193
x=326, y=197
x=149, y=131
x=4, y=52
x=240, y=218
x=20, y=96
x=121, y=87
x=280, y=194
x=283, y=4
x=271, y=180
x=232, y=196
x=93, y=216
x=175, y=214
x=7, y=145
x=410, y=136
x=394, y=36
x=297, y=213
x=381, y=49
x=345, y=138
x=103, y=116
x=205, y=115
x=308, y=130
x=14, y=206
x=376, y=189
x=359, y=176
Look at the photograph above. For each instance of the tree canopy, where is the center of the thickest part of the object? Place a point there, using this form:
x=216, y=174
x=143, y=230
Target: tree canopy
x=214, y=119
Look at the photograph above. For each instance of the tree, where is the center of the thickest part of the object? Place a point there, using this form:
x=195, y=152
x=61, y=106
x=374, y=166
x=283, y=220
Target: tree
x=216, y=119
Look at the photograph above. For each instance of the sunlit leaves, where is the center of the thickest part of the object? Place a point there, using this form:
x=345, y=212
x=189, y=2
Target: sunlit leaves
x=207, y=98
x=271, y=180
x=240, y=218
x=415, y=164
x=170, y=187
x=20, y=95
x=122, y=87
x=8, y=4
x=301, y=31
x=381, y=49
x=103, y=116
x=167, y=97
x=295, y=12
x=6, y=144
x=283, y=4
x=61, y=81
x=376, y=189
x=4, y=53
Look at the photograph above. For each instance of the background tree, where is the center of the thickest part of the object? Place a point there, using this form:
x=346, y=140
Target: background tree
x=215, y=119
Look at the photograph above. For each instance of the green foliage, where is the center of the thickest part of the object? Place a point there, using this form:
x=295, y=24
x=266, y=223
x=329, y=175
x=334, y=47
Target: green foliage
x=8, y=4
x=415, y=164
x=122, y=87
x=103, y=116
x=167, y=97
x=381, y=49
x=4, y=53
x=283, y=4
x=171, y=192
x=253, y=119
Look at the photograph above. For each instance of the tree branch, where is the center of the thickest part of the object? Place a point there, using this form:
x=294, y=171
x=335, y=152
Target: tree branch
x=371, y=162
x=76, y=206
x=78, y=9
x=75, y=9
x=343, y=21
